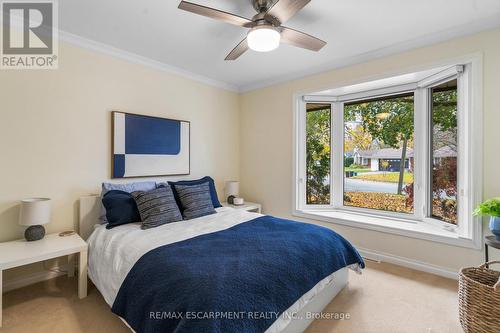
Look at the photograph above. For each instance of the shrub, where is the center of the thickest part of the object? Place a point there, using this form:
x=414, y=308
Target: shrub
x=409, y=190
x=348, y=161
x=357, y=166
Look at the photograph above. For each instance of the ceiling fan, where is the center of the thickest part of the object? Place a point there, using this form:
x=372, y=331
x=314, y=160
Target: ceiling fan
x=266, y=30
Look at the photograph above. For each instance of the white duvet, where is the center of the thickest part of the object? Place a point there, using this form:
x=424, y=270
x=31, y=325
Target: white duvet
x=113, y=253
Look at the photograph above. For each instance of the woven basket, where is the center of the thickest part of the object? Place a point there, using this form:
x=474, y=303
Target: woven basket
x=479, y=299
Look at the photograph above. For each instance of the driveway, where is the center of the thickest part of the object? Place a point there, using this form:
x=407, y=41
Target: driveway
x=357, y=185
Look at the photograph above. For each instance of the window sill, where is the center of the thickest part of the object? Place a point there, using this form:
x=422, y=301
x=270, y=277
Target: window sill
x=408, y=228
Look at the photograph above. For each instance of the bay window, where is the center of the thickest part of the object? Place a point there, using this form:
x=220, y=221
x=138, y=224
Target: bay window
x=399, y=153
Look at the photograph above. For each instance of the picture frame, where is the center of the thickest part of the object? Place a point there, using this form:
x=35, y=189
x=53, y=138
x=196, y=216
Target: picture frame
x=149, y=146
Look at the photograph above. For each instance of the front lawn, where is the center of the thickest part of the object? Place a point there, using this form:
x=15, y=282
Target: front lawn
x=387, y=177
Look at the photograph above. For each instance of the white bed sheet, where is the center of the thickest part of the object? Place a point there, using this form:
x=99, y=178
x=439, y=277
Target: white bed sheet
x=113, y=253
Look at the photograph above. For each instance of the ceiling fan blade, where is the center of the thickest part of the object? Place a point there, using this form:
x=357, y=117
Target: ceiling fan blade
x=241, y=48
x=214, y=13
x=283, y=10
x=300, y=39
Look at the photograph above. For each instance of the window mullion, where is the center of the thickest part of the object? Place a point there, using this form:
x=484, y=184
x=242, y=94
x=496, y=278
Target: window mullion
x=337, y=141
x=301, y=153
x=421, y=154
x=463, y=159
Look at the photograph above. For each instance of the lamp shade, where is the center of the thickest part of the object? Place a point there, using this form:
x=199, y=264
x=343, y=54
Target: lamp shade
x=263, y=38
x=232, y=188
x=34, y=211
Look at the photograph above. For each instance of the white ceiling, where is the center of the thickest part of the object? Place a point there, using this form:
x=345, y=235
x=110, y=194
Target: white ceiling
x=356, y=30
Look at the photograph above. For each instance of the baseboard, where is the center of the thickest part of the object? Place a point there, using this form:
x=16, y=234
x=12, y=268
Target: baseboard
x=33, y=278
x=366, y=253
x=410, y=263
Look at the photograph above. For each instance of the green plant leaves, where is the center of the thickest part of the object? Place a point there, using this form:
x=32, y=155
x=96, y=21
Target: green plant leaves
x=490, y=207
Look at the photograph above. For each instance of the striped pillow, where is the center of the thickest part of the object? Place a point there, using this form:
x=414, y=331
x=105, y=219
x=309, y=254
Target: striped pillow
x=195, y=199
x=157, y=207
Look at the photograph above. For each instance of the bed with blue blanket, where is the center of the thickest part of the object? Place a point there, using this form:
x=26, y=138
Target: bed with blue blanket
x=233, y=271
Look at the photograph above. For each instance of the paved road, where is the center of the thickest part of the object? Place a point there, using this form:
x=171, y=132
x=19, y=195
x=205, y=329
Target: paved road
x=357, y=185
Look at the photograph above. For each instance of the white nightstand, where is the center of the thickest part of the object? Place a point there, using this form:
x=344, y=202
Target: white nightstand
x=248, y=206
x=20, y=252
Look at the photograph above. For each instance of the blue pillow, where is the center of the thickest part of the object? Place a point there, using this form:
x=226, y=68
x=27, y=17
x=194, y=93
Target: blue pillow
x=120, y=208
x=126, y=187
x=211, y=185
x=195, y=200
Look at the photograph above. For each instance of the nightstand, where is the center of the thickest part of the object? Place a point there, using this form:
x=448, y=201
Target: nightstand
x=248, y=206
x=490, y=241
x=20, y=252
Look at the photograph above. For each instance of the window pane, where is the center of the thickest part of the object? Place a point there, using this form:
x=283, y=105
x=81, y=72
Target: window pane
x=318, y=118
x=378, y=135
x=444, y=152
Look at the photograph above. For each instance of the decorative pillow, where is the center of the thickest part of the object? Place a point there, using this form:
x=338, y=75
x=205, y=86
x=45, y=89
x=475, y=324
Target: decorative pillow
x=120, y=208
x=211, y=184
x=127, y=187
x=195, y=200
x=157, y=207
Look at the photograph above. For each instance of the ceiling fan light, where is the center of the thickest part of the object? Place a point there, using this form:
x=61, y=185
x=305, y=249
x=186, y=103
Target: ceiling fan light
x=263, y=38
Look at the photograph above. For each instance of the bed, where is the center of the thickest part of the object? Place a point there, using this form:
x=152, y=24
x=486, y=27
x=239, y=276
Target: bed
x=116, y=256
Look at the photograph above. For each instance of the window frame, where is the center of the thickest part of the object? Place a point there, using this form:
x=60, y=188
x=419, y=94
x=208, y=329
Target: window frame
x=468, y=230
x=317, y=206
x=339, y=203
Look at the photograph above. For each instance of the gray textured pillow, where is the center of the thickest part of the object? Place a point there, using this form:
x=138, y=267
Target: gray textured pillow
x=195, y=199
x=157, y=207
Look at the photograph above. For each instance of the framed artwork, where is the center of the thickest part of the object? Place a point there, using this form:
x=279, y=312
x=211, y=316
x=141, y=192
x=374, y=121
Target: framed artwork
x=149, y=146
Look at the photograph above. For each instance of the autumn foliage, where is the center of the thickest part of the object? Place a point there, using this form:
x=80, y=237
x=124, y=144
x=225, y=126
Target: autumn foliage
x=376, y=200
x=444, y=191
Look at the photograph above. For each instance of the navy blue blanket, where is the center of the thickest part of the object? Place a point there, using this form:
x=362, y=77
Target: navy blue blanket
x=235, y=280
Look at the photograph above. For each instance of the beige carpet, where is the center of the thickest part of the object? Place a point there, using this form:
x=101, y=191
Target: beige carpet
x=385, y=299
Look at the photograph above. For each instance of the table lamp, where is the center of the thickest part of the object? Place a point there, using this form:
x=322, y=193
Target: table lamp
x=232, y=189
x=34, y=213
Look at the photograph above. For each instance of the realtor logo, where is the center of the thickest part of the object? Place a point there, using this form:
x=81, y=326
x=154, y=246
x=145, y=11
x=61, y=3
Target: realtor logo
x=29, y=35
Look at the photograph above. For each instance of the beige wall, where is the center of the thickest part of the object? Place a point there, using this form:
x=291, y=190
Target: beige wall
x=266, y=142
x=55, y=130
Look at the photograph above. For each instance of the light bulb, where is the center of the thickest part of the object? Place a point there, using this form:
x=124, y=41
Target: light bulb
x=263, y=38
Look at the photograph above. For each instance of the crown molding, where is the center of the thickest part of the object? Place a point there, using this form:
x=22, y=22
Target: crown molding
x=141, y=60
x=459, y=31
x=426, y=40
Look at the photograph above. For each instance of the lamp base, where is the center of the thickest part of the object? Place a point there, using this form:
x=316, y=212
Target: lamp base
x=34, y=233
x=230, y=199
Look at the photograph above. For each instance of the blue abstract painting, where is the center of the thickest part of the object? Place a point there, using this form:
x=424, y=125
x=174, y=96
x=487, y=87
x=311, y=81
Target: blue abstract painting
x=149, y=146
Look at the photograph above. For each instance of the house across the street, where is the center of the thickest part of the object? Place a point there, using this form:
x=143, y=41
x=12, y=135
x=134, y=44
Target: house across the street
x=389, y=159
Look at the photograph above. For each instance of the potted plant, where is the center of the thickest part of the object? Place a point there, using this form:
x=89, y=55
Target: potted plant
x=491, y=207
